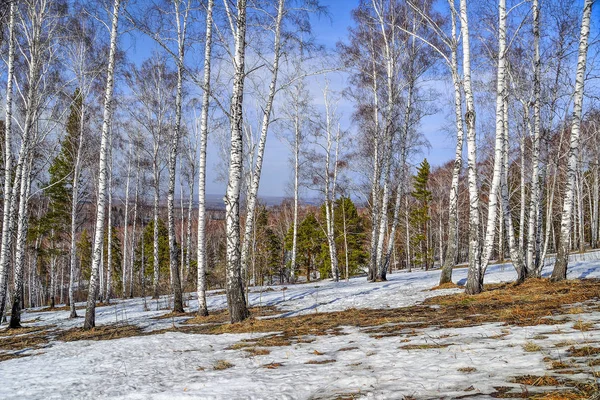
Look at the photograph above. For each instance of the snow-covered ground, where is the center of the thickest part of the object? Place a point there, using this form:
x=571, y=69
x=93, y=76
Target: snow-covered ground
x=178, y=365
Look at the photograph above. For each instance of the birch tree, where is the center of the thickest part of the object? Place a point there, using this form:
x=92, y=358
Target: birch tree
x=38, y=22
x=202, y=262
x=562, y=258
x=90, y=312
x=474, y=284
x=494, y=195
x=236, y=301
x=7, y=217
x=266, y=120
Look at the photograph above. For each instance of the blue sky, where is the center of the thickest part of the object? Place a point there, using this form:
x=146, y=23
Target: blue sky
x=328, y=29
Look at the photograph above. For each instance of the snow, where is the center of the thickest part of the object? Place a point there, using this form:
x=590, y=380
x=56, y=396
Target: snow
x=176, y=365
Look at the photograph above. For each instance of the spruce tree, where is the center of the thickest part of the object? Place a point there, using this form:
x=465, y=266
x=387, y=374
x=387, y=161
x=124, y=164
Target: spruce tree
x=419, y=215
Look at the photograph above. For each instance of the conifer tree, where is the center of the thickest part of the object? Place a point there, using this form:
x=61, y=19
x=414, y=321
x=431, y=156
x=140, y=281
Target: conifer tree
x=419, y=215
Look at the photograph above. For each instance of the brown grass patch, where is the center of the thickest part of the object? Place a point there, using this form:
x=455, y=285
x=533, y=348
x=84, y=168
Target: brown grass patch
x=24, y=330
x=424, y=346
x=105, y=332
x=273, y=365
x=584, y=351
x=534, y=380
x=348, y=348
x=320, y=361
x=530, y=303
x=34, y=339
x=560, y=395
x=173, y=314
x=10, y=356
x=222, y=316
x=255, y=351
x=317, y=353
x=560, y=365
x=565, y=343
x=583, y=326
x=448, y=285
x=62, y=308
x=531, y=347
x=222, y=364
x=575, y=310
x=467, y=370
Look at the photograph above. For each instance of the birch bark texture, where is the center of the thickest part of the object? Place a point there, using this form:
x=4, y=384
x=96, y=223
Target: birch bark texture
x=236, y=301
x=562, y=258
x=201, y=278
x=90, y=312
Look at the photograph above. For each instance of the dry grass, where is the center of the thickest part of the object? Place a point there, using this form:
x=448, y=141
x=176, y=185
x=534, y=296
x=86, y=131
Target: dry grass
x=565, y=343
x=531, y=347
x=449, y=285
x=348, y=348
x=222, y=364
x=63, y=308
x=530, y=303
x=534, y=380
x=106, y=332
x=320, y=361
x=575, y=310
x=10, y=356
x=560, y=395
x=222, y=316
x=424, y=346
x=560, y=365
x=467, y=370
x=24, y=330
x=31, y=339
x=583, y=326
x=255, y=351
x=273, y=365
x=584, y=351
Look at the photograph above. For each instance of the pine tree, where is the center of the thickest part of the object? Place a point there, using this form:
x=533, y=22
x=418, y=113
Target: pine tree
x=350, y=236
x=419, y=215
x=148, y=253
x=310, y=242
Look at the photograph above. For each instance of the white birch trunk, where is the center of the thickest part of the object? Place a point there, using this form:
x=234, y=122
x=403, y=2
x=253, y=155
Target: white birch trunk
x=296, y=185
x=90, y=312
x=126, y=223
x=8, y=198
x=22, y=225
x=532, y=231
x=452, y=248
x=173, y=254
x=201, y=289
x=236, y=301
x=253, y=189
x=74, y=204
x=474, y=281
x=488, y=245
x=562, y=258
x=109, y=262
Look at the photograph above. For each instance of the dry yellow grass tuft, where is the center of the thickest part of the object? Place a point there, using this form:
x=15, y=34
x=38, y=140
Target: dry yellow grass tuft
x=255, y=351
x=531, y=347
x=222, y=364
x=583, y=326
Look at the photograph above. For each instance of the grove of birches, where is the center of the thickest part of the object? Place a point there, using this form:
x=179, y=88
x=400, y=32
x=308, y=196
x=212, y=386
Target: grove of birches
x=105, y=153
